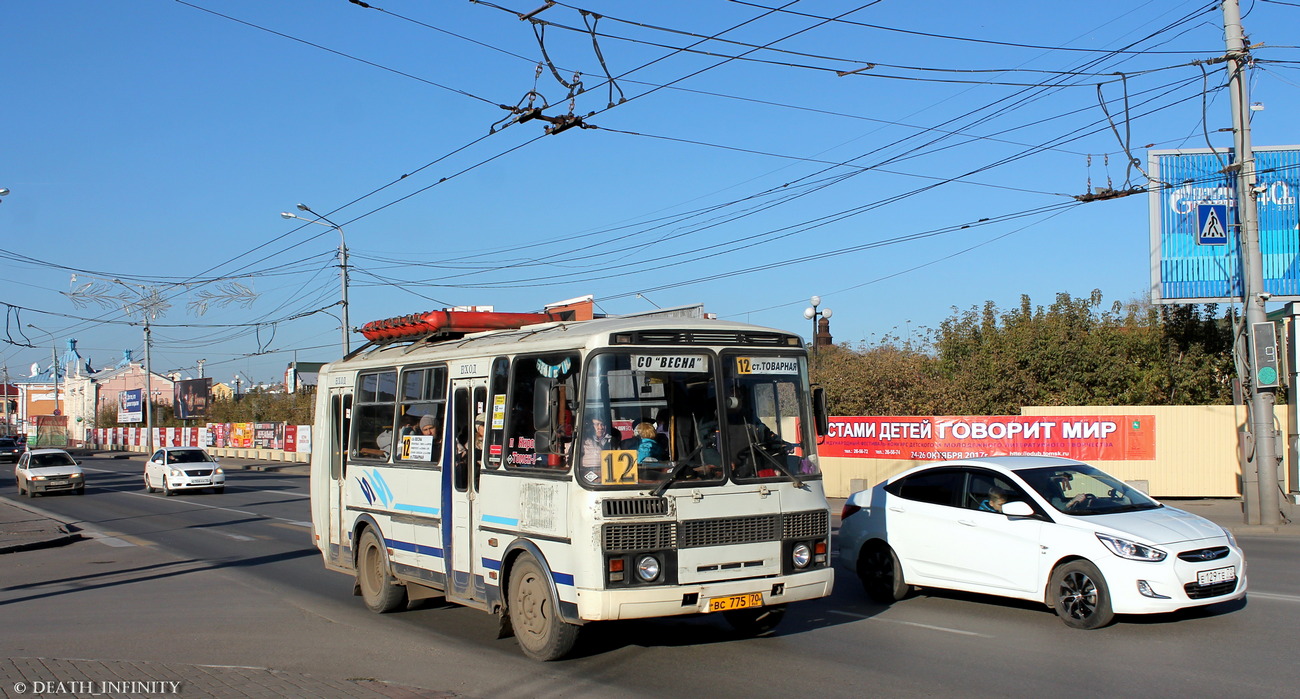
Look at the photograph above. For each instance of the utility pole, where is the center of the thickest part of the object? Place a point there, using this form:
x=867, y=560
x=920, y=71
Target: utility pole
x=54, y=355
x=148, y=390
x=1263, y=436
x=6, y=374
x=201, y=361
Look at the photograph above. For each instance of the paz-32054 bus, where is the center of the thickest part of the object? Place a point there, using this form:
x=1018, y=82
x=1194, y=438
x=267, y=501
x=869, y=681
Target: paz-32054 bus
x=557, y=473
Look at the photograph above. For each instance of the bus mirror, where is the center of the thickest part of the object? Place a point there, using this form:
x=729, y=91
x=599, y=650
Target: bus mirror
x=543, y=403
x=542, y=442
x=821, y=419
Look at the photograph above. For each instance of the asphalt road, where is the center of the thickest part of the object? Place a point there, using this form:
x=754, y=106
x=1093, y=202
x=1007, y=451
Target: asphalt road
x=232, y=579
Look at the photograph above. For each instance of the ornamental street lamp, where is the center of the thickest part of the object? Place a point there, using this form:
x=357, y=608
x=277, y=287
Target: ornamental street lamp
x=343, y=264
x=811, y=313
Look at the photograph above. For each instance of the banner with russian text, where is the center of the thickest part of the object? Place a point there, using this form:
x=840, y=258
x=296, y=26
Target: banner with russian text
x=1084, y=437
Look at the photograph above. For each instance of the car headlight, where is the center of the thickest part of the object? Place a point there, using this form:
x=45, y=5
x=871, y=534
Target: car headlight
x=176, y=473
x=78, y=475
x=217, y=471
x=1131, y=549
x=801, y=555
x=1231, y=539
x=647, y=568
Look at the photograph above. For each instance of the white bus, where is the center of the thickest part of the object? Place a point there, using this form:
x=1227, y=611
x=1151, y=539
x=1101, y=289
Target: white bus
x=556, y=473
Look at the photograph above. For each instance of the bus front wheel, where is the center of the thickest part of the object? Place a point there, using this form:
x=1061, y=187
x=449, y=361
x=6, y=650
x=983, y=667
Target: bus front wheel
x=534, y=614
x=378, y=589
x=755, y=622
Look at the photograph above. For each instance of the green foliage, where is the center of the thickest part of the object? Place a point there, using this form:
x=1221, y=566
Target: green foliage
x=1077, y=351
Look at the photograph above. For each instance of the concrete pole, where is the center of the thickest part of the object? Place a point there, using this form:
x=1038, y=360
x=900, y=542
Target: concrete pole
x=148, y=391
x=343, y=278
x=1261, y=401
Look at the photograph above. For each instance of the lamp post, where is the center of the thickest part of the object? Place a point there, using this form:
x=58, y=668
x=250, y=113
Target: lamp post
x=343, y=264
x=811, y=313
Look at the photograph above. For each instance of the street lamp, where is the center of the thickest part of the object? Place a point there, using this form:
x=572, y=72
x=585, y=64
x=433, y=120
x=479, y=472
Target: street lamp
x=811, y=313
x=343, y=264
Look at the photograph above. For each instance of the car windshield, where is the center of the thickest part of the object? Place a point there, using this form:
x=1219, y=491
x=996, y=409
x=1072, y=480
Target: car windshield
x=51, y=460
x=1079, y=489
x=188, y=456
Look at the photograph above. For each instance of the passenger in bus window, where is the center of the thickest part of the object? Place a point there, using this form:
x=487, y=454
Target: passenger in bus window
x=597, y=437
x=385, y=440
x=649, y=447
x=428, y=426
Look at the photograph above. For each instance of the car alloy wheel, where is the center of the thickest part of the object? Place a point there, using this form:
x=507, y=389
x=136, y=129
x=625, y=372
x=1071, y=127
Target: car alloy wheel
x=1080, y=596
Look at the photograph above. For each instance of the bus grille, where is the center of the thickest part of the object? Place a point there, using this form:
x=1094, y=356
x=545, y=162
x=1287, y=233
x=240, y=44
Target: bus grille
x=633, y=507
x=730, y=530
x=805, y=525
x=639, y=536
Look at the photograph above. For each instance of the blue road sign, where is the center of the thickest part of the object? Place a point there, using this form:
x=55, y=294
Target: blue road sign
x=1212, y=224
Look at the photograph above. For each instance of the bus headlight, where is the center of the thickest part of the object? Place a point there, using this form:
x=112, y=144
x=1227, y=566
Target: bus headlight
x=647, y=568
x=801, y=555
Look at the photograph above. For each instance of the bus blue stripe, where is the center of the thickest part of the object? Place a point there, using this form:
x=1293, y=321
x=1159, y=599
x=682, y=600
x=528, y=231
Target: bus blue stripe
x=563, y=578
x=413, y=547
x=416, y=508
x=501, y=520
x=491, y=564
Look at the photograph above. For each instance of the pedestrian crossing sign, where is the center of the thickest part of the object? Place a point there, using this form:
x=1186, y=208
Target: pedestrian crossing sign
x=1212, y=224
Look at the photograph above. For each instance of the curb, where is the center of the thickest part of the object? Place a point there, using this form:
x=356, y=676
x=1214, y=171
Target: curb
x=63, y=534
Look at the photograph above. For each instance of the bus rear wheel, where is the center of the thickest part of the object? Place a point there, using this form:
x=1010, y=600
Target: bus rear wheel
x=534, y=614
x=378, y=588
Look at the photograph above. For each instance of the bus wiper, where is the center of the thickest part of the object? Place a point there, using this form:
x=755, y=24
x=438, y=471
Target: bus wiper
x=681, y=466
x=777, y=463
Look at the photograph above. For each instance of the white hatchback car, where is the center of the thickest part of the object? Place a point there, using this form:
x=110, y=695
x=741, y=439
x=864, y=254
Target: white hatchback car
x=1037, y=528
x=173, y=469
x=48, y=471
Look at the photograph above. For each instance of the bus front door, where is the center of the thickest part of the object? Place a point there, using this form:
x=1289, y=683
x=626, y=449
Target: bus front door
x=340, y=414
x=469, y=403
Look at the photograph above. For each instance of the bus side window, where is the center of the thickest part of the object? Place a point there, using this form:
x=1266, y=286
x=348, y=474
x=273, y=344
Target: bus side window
x=373, y=416
x=549, y=379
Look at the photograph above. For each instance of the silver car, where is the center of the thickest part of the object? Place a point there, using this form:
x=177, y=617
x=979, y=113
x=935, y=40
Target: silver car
x=42, y=471
x=172, y=469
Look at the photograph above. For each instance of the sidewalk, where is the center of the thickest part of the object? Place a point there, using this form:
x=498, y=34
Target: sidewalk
x=24, y=677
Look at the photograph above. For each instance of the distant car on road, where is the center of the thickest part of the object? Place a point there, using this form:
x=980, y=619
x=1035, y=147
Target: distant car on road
x=11, y=449
x=173, y=469
x=43, y=471
x=1037, y=528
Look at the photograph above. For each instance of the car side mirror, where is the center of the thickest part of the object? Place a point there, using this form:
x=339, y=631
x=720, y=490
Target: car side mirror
x=1018, y=508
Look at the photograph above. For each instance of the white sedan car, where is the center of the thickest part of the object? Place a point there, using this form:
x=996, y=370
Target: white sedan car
x=48, y=471
x=172, y=469
x=1037, y=528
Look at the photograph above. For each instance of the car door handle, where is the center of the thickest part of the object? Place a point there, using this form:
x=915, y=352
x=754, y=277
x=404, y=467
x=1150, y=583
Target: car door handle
x=893, y=508
x=966, y=522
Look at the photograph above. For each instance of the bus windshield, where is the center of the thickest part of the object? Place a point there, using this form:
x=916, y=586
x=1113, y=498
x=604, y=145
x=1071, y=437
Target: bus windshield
x=658, y=419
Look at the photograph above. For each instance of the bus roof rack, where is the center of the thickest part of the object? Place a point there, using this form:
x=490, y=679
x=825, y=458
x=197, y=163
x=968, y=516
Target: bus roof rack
x=450, y=323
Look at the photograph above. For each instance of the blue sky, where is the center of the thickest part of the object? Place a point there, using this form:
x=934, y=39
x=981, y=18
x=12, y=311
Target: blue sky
x=155, y=142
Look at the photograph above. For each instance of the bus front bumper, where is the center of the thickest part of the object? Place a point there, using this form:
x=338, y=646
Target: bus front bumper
x=648, y=602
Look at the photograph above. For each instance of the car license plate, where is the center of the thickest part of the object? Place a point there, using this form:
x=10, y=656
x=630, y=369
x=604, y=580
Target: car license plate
x=63, y=482
x=199, y=481
x=726, y=604
x=1218, y=575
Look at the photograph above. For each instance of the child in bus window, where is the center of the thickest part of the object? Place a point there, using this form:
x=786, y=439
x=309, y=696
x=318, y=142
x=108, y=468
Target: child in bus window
x=649, y=448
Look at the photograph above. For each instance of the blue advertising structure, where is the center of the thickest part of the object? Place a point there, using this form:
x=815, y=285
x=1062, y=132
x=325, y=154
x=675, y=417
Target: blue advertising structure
x=130, y=406
x=1195, y=251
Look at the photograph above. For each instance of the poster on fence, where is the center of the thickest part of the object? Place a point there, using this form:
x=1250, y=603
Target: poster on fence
x=1084, y=437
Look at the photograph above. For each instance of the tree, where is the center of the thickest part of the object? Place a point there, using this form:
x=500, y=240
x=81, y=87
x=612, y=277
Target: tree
x=1077, y=351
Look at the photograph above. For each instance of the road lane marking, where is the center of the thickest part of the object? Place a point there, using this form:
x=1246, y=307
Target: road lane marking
x=911, y=623
x=107, y=540
x=1272, y=595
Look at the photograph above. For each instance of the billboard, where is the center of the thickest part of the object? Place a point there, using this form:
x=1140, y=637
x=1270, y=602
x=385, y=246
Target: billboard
x=130, y=405
x=930, y=438
x=190, y=398
x=1195, y=251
